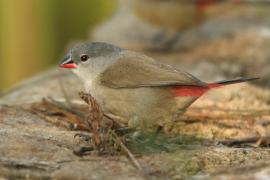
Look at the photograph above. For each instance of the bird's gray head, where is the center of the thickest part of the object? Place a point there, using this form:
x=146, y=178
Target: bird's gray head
x=89, y=59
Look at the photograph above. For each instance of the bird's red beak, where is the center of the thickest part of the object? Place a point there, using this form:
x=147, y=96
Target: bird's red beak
x=67, y=62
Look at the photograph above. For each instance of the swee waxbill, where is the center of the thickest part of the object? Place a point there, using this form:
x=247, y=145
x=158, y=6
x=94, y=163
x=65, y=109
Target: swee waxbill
x=134, y=89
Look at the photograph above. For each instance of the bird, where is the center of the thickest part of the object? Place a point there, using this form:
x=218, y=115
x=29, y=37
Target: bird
x=174, y=15
x=133, y=89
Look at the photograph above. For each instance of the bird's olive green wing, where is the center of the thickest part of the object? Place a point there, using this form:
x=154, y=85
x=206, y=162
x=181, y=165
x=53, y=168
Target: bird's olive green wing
x=135, y=70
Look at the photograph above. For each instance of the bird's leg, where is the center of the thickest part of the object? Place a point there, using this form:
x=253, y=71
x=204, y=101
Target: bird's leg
x=85, y=137
x=141, y=137
x=119, y=129
x=124, y=130
x=148, y=142
x=81, y=151
x=153, y=137
x=88, y=146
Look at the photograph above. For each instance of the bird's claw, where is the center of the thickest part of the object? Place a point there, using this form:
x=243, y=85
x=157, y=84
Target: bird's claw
x=85, y=137
x=125, y=130
x=81, y=151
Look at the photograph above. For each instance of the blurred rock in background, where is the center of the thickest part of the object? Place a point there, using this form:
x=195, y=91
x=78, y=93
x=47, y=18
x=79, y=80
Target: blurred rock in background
x=221, y=40
x=155, y=23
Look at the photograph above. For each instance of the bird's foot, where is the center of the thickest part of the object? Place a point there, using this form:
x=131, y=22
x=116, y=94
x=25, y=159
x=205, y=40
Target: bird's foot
x=147, y=137
x=124, y=131
x=82, y=150
x=87, y=141
x=85, y=137
x=147, y=142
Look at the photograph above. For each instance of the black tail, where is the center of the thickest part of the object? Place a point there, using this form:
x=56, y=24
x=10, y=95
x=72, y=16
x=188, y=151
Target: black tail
x=237, y=80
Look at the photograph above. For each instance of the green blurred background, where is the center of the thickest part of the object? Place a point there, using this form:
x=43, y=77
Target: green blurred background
x=35, y=33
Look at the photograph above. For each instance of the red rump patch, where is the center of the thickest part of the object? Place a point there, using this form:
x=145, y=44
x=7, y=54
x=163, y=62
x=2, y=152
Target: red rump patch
x=195, y=91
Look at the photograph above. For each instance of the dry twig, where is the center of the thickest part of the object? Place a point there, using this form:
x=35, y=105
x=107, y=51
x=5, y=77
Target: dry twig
x=58, y=114
x=253, y=141
x=130, y=155
x=95, y=116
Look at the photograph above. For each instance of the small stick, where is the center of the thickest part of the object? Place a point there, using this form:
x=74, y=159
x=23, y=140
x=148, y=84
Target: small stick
x=131, y=156
x=52, y=120
x=95, y=116
x=69, y=109
x=257, y=140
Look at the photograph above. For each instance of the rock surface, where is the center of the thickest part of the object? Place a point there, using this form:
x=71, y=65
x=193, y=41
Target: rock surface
x=39, y=144
x=33, y=148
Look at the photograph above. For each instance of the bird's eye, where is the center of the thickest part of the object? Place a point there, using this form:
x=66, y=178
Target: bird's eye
x=84, y=57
